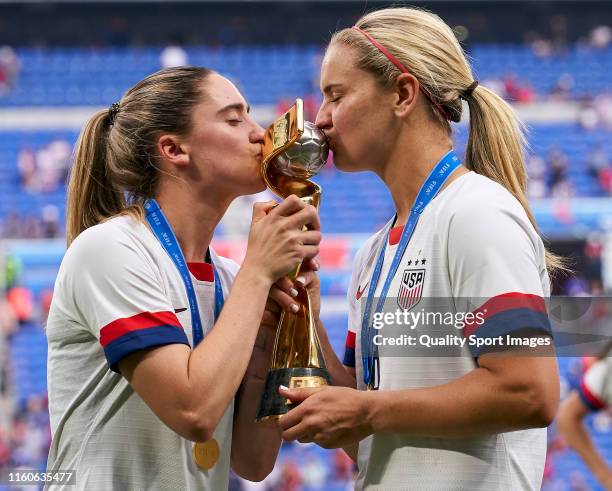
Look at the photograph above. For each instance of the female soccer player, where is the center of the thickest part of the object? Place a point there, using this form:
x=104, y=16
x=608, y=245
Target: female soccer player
x=392, y=85
x=594, y=394
x=150, y=384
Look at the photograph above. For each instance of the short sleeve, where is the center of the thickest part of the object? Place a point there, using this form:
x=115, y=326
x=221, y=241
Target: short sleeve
x=357, y=291
x=354, y=319
x=119, y=295
x=495, y=262
x=595, y=386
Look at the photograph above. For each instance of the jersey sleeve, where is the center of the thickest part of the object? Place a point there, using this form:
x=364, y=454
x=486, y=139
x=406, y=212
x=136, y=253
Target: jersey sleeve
x=353, y=296
x=496, y=262
x=357, y=291
x=120, y=296
x=595, y=387
x=354, y=317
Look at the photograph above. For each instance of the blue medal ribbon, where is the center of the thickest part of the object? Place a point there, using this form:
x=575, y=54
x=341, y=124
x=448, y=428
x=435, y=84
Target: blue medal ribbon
x=430, y=188
x=162, y=230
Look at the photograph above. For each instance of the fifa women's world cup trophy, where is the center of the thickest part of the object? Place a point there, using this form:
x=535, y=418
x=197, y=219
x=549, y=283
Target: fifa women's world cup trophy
x=294, y=150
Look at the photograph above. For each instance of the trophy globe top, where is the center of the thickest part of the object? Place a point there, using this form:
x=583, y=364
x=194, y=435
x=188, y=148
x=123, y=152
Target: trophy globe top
x=295, y=150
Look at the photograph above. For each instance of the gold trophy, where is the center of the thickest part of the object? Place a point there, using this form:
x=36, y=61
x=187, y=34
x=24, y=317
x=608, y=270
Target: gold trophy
x=294, y=150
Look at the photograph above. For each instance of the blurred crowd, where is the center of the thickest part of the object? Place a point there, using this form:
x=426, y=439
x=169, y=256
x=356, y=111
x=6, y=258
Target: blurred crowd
x=44, y=169
x=48, y=224
x=10, y=67
x=305, y=467
x=557, y=40
x=24, y=418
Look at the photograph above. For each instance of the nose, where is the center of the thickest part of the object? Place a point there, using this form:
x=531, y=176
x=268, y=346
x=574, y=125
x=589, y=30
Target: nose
x=323, y=120
x=257, y=135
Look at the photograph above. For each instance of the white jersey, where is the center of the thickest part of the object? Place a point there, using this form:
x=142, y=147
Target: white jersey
x=596, y=386
x=118, y=292
x=474, y=241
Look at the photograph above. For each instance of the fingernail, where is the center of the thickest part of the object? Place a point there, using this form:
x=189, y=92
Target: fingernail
x=294, y=308
x=284, y=387
x=301, y=279
x=293, y=292
x=317, y=264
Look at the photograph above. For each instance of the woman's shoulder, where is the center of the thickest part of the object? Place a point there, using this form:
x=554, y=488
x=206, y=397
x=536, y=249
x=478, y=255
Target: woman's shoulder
x=477, y=188
x=480, y=198
x=485, y=214
x=366, y=251
x=108, y=238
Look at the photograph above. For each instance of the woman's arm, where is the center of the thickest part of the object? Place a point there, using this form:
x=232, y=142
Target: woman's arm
x=255, y=445
x=570, y=423
x=341, y=375
x=189, y=390
x=503, y=394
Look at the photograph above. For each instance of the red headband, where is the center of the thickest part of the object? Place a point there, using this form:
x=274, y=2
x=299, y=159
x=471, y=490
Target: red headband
x=403, y=69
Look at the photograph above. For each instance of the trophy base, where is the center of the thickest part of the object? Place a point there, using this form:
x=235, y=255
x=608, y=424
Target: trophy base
x=272, y=404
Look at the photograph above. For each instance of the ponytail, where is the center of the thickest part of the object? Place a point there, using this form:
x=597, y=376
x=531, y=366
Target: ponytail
x=92, y=196
x=495, y=149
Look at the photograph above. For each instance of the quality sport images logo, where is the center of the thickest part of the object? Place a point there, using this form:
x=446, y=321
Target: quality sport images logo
x=411, y=288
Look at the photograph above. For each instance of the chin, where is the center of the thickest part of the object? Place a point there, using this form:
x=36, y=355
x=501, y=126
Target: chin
x=254, y=187
x=343, y=164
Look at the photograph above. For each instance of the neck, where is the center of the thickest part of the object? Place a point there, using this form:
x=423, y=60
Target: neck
x=407, y=168
x=193, y=218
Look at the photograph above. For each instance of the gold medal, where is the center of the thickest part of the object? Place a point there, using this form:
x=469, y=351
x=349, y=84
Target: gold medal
x=206, y=454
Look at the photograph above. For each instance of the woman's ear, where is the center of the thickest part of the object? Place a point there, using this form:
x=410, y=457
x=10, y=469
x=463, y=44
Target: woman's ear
x=172, y=150
x=406, y=89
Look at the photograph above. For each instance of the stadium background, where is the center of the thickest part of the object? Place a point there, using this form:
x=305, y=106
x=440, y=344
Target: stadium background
x=60, y=61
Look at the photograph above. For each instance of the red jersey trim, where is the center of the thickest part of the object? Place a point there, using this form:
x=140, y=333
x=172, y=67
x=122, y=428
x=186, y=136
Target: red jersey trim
x=144, y=320
x=350, y=340
x=202, y=271
x=593, y=401
x=395, y=235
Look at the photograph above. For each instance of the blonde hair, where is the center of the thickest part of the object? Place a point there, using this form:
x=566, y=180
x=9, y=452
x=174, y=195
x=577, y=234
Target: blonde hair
x=429, y=50
x=115, y=162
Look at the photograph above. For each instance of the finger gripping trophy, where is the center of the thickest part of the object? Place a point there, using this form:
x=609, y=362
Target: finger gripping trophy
x=294, y=150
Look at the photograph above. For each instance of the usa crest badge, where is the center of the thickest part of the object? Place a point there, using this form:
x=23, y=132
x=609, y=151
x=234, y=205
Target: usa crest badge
x=411, y=288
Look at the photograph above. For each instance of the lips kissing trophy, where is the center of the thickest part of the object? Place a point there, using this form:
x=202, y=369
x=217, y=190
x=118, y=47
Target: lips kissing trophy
x=294, y=150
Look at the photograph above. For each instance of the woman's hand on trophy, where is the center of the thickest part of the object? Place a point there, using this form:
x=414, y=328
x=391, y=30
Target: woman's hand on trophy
x=284, y=294
x=331, y=417
x=309, y=279
x=281, y=236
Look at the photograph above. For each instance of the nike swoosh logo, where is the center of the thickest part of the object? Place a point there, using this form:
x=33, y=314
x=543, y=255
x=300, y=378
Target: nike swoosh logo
x=360, y=292
x=178, y=311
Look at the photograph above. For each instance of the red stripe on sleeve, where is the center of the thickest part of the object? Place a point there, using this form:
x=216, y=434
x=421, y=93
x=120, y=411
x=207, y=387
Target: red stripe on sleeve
x=595, y=401
x=144, y=320
x=513, y=300
x=350, y=340
x=502, y=303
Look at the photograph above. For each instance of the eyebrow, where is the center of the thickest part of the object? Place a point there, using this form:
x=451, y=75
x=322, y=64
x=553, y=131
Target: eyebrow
x=239, y=106
x=328, y=88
